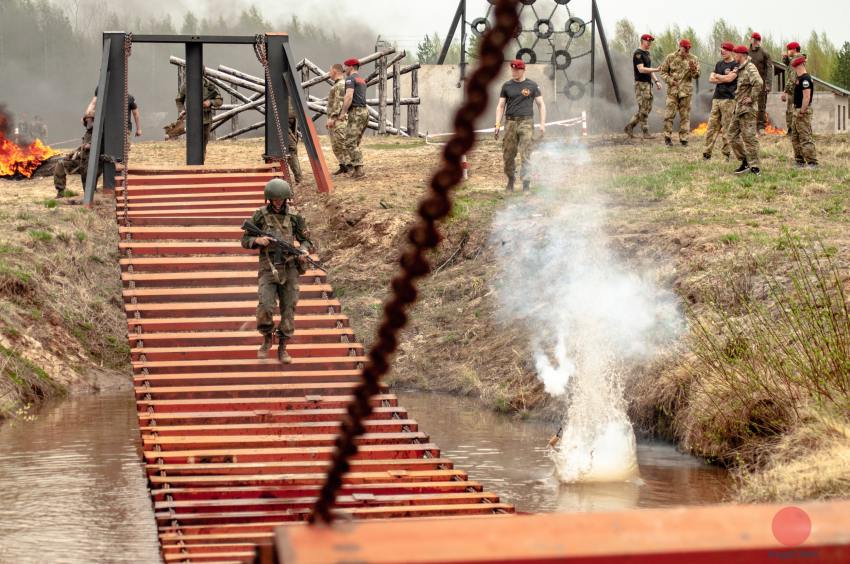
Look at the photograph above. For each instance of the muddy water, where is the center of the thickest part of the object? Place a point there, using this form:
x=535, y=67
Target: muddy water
x=509, y=457
x=72, y=488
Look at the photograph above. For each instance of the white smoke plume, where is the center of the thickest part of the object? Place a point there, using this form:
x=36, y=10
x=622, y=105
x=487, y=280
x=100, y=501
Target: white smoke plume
x=588, y=313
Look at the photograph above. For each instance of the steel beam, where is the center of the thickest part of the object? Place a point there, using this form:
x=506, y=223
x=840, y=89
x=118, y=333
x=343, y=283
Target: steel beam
x=97, y=131
x=195, y=148
x=113, y=104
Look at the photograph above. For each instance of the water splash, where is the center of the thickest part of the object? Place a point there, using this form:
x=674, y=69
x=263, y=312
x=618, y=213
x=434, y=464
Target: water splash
x=589, y=314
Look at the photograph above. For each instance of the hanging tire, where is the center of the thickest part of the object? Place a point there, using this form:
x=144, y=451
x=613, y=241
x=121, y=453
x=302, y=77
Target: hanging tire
x=561, y=59
x=480, y=26
x=575, y=27
x=544, y=28
x=574, y=90
x=528, y=2
x=525, y=51
x=562, y=2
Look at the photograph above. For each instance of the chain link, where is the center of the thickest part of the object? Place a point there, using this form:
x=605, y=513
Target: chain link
x=262, y=56
x=128, y=47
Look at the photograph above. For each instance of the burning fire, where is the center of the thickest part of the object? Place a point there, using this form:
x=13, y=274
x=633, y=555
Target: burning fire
x=701, y=129
x=22, y=160
x=769, y=129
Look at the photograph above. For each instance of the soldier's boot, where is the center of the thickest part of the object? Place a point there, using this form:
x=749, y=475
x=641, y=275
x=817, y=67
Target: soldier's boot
x=282, y=356
x=668, y=141
x=510, y=186
x=755, y=170
x=646, y=135
x=343, y=169
x=358, y=172
x=263, y=351
x=628, y=130
x=743, y=168
x=684, y=142
x=706, y=156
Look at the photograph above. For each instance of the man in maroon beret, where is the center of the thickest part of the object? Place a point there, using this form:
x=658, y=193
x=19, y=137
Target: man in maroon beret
x=516, y=102
x=792, y=51
x=801, y=133
x=679, y=70
x=644, y=79
x=742, y=128
x=723, y=102
x=355, y=115
x=763, y=63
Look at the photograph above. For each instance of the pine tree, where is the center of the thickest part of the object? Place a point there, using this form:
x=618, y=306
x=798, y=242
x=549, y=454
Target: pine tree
x=841, y=67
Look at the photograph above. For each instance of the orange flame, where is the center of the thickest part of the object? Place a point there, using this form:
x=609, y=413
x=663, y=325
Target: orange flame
x=701, y=129
x=22, y=160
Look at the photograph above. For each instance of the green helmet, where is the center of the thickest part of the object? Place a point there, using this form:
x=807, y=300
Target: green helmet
x=277, y=189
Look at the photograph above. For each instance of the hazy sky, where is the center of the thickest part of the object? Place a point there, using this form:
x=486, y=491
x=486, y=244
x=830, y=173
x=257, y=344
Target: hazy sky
x=405, y=21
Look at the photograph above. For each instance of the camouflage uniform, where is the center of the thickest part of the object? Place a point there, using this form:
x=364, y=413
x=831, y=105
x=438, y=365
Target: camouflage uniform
x=76, y=162
x=789, y=99
x=802, y=138
x=742, y=128
x=336, y=98
x=644, y=98
x=718, y=126
x=277, y=280
x=519, y=133
x=292, y=160
x=679, y=72
x=761, y=60
x=355, y=125
x=210, y=94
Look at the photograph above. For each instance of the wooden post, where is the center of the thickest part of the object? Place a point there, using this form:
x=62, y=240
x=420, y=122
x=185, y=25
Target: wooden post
x=382, y=96
x=396, y=95
x=234, y=121
x=413, y=109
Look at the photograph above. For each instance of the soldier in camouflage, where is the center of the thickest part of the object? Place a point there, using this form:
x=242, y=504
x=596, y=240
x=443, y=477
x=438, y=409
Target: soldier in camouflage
x=742, y=128
x=644, y=74
x=516, y=103
x=355, y=114
x=802, y=138
x=292, y=159
x=723, y=101
x=336, y=128
x=679, y=70
x=76, y=162
x=277, y=279
x=211, y=98
x=762, y=61
x=792, y=51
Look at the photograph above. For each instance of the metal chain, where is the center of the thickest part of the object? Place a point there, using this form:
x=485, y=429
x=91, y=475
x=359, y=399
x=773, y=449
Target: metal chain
x=128, y=47
x=422, y=238
x=262, y=56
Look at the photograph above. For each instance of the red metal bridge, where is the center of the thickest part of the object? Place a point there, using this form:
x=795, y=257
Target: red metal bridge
x=235, y=446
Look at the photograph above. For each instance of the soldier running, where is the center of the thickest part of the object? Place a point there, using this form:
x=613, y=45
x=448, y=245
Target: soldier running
x=336, y=128
x=516, y=103
x=679, y=70
x=762, y=62
x=277, y=278
x=742, y=128
x=211, y=98
x=644, y=79
x=723, y=102
x=76, y=162
x=801, y=136
x=356, y=115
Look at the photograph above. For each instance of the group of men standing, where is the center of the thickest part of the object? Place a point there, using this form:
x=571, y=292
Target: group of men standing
x=738, y=116
x=348, y=117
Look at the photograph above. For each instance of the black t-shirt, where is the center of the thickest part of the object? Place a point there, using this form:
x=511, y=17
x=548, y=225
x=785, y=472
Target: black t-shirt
x=804, y=83
x=727, y=90
x=520, y=97
x=131, y=105
x=641, y=57
x=358, y=84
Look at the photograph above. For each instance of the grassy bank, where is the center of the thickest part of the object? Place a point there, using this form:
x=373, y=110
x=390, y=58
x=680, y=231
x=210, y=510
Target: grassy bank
x=61, y=318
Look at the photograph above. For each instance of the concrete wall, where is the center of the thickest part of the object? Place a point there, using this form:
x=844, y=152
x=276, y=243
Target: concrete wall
x=828, y=108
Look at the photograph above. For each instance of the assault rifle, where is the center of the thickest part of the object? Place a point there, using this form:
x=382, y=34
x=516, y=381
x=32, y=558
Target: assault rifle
x=281, y=247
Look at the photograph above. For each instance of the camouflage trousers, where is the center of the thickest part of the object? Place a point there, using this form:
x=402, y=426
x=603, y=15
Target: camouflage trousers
x=355, y=125
x=761, y=120
x=271, y=292
x=718, y=125
x=680, y=105
x=802, y=138
x=337, y=135
x=644, y=98
x=742, y=136
x=292, y=161
x=789, y=114
x=518, y=136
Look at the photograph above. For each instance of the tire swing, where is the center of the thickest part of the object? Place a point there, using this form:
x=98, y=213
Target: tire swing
x=544, y=28
x=479, y=26
x=561, y=59
x=527, y=55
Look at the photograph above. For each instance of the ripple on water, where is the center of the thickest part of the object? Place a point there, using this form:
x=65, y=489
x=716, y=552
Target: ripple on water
x=72, y=488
